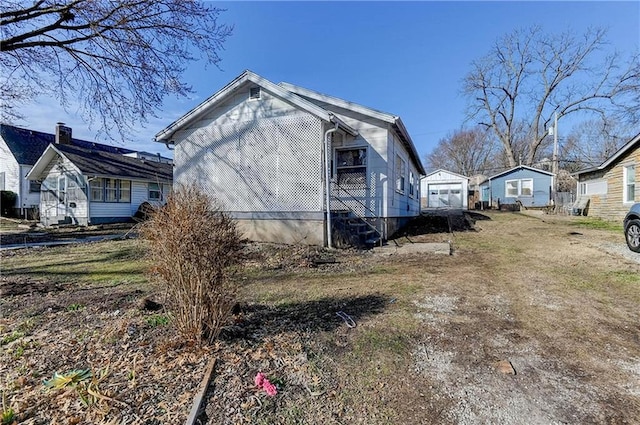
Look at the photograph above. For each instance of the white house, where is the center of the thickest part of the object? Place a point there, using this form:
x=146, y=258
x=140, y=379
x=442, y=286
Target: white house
x=20, y=148
x=86, y=186
x=444, y=189
x=267, y=150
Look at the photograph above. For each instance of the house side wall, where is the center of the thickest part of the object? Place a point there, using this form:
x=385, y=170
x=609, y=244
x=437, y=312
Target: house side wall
x=29, y=200
x=261, y=159
x=383, y=144
x=611, y=206
x=10, y=169
x=541, y=188
x=368, y=199
x=401, y=204
x=119, y=212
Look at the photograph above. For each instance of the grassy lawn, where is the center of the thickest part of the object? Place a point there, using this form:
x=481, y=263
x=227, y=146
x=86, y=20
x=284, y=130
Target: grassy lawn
x=429, y=331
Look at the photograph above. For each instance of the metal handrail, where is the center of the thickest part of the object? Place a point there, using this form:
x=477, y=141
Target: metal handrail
x=364, y=219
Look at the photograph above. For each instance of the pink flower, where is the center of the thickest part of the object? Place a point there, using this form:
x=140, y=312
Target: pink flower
x=263, y=383
x=260, y=378
x=269, y=388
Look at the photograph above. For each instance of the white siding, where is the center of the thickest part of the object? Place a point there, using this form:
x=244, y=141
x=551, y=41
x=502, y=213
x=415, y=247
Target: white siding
x=139, y=194
x=369, y=200
x=9, y=166
x=400, y=203
x=29, y=199
x=73, y=206
x=383, y=146
x=254, y=156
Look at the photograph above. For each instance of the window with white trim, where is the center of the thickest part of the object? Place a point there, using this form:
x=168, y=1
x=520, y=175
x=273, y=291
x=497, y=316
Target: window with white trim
x=516, y=188
x=526, y=187
x=351, y=166
x=582, y=189
x=400, y=174
x=34, y=186
x=155, y=192
x=110, y=190
x=629, y=183
x=412, y=183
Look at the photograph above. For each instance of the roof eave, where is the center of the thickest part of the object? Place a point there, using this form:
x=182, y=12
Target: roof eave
x=40, y=165
x=166, y=134
x=402, y=130
x=341, y=103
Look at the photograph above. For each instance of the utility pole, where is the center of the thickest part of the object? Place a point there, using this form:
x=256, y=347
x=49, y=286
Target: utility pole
x=554, y=165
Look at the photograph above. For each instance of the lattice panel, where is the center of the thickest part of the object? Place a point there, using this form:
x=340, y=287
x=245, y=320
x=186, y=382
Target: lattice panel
x=266, y=165
x=357, y=195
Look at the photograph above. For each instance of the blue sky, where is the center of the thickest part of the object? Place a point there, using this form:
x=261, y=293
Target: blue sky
x=405, y=58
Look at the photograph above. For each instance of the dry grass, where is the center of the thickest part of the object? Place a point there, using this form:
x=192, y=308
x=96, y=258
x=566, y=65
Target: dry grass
x=429, y=331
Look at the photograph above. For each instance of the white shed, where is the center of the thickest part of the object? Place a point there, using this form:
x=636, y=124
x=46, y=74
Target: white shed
x=444, y=189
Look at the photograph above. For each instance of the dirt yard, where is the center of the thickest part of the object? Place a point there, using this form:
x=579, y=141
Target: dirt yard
x=532, y=320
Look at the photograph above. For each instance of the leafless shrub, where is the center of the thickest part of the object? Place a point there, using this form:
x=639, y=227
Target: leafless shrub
x=193, y=245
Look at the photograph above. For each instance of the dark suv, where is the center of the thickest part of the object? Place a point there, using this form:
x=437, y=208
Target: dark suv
x=632, y=228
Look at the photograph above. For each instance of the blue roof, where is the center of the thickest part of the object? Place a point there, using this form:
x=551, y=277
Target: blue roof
x=28, y=145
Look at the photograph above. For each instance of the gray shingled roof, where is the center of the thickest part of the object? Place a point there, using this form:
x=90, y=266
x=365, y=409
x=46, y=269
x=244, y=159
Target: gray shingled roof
x=28, y=145
x=107, y=164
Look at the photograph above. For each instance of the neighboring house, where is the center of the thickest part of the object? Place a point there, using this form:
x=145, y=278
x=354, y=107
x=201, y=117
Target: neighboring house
x=259, y=148
x=20, y=148
x=444, y=189
x=608, y=190
x=148, y=156
x=522, y=185
x=87, y=186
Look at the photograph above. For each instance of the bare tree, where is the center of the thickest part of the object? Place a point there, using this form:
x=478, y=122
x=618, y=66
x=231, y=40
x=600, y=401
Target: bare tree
x=465, y=151
x=118, y=60
x=592, y=142
x=529, y=75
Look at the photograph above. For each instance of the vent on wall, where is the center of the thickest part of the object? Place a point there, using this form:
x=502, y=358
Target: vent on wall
x=254, y=93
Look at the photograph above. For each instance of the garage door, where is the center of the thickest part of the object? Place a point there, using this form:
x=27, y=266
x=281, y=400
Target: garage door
x=445, y=195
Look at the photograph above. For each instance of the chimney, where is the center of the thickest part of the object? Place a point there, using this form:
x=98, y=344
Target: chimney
x=63, y=134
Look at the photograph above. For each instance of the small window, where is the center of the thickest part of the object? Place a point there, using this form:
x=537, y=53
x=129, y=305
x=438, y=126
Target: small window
x=124, y=193
x=526, y=187
x=155, y=192
x=97, y=194
x=254, y=93
x=583, y=188
x=412, y=183
x=351, y=166
x=511, y=188
x=34, y=186
x=110, y=190
x=630, y=183
x=516, y=188
x=400, y=174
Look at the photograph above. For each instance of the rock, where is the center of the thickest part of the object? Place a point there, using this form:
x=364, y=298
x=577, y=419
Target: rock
x=505, y=367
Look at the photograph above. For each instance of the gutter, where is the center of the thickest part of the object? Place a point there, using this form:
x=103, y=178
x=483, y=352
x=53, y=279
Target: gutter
x=327, y=182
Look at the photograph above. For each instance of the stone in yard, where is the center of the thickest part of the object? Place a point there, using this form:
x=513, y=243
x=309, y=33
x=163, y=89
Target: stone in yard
x=505, y=367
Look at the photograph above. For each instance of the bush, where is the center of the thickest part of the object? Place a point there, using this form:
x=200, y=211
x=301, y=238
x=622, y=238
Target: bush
x=7, y=202
x=193, y=246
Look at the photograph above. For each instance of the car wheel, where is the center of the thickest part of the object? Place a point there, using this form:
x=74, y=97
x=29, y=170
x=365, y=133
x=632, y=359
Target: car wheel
x=632, y=234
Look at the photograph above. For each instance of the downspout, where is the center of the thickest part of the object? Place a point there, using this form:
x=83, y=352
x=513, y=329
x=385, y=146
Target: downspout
x=326, y=181
x=89, y=179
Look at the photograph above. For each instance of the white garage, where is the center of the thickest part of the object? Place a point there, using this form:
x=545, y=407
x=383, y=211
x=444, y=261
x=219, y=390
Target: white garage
x=444, y=189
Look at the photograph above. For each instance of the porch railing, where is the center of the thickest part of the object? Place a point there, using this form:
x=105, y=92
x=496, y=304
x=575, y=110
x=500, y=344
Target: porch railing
x=363, y=218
